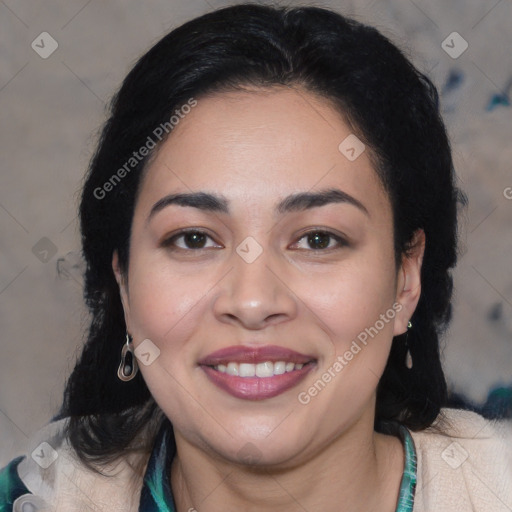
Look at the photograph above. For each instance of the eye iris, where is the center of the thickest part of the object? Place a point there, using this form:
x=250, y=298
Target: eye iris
x=195, y=240
x=321, y=240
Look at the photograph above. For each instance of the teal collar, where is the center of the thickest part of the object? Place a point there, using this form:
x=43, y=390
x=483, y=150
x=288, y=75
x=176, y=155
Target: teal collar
x=408, y=484
x=157, y=496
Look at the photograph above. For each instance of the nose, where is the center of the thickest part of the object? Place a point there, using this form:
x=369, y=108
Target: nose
x=255, y=294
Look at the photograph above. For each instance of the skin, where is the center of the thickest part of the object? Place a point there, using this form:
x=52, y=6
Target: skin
x=255, y=147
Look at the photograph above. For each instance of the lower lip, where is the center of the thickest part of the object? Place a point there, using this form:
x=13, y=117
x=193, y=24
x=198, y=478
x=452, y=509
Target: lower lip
x=257, y=388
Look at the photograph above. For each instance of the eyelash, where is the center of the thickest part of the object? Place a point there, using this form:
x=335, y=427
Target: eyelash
x=169, y=242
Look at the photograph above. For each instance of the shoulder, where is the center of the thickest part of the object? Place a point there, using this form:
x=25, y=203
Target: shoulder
x=51, y=477
x=464, y=463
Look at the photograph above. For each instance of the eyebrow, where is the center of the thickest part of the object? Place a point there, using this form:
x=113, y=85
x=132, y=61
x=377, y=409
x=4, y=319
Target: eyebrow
x=300, y=201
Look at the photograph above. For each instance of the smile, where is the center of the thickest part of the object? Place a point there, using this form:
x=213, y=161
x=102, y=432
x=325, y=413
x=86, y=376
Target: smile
x=256, y=373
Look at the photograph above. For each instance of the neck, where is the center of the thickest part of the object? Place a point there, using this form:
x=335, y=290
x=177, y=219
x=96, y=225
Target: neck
x=358, y=470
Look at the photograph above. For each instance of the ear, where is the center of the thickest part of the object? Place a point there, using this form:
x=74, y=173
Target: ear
x=123, y=287
x=409, y=282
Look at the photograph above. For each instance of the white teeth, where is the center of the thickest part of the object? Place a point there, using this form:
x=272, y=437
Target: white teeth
x=231, y=369
x=246, y=370
x=279, y=368
x=266, y=369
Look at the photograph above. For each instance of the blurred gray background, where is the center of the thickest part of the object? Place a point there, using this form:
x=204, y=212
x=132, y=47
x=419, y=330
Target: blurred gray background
x=53, y=104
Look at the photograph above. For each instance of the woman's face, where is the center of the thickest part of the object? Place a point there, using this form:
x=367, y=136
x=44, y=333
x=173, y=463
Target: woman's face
x=271, y=321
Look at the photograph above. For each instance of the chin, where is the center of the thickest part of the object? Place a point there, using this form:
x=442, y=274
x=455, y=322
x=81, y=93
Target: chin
x=264, y=455
x=267, y=444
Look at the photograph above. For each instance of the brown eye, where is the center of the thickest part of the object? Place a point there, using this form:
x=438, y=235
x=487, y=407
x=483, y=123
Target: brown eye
x=191, y=240
x=194, y=240
x=321, y=240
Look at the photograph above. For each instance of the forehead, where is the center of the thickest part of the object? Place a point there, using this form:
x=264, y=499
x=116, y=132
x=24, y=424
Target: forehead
x=258, y=145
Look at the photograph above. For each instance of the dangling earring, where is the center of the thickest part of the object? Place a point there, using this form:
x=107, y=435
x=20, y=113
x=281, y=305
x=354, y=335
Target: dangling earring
x=128, y=367
x=408, y=357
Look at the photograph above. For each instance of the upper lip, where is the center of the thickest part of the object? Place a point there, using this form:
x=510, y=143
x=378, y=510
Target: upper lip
x=254, y=355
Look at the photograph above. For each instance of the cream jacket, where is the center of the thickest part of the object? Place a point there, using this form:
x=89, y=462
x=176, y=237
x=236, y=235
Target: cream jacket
x=466, y=467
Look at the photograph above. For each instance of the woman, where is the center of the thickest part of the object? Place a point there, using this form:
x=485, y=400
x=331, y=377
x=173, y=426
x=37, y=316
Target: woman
x=269, y=224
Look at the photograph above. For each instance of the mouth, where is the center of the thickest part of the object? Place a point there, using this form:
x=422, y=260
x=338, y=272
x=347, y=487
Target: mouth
x=256, y=373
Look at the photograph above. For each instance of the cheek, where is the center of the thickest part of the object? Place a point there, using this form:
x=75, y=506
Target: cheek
x=352, y=298
x=163, y=304
x=351, y=309
x=356, y=305
x=164, y=308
